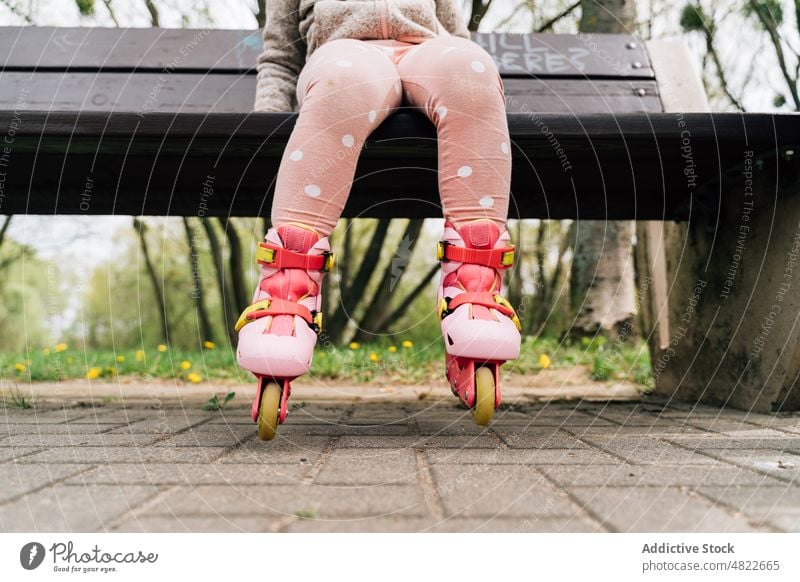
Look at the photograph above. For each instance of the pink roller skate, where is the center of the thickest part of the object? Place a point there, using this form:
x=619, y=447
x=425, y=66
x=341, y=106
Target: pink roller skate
x=278, y=331
x=480, y=328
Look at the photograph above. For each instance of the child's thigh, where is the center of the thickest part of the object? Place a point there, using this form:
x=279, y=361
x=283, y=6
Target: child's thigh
x=448, y=58
x=346, y=66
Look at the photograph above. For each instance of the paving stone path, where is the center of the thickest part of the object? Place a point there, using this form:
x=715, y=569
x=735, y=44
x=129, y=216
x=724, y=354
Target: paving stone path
x=400, y=466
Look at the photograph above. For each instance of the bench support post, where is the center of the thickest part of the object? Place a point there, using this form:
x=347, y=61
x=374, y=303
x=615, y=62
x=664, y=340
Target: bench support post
x=720, y=295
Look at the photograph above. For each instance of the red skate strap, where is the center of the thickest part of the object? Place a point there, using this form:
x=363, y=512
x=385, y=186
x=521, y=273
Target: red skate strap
x=280, y=258
x=500, y=258
x=282, y=307
x=481, y=298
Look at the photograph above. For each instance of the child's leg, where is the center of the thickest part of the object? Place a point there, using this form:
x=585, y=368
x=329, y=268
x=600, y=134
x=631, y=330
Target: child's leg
x=346, y=90
x=457, y=85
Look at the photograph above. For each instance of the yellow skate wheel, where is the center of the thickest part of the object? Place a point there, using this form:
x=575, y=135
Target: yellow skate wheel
x=484, y=396
x=268, y=411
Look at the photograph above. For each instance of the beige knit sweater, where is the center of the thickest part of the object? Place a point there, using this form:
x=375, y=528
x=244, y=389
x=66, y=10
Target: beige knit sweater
x=295, y=28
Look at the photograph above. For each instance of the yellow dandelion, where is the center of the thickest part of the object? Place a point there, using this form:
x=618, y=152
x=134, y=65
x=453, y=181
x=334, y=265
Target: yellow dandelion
x=392, y=349
x=194, y=378
x=46, y=351
x=70, y=360
x=162, y=348
x=185, y=365
x=20, y=367
x=93, y=373
x=374, y=357
x=209, y=345
x=408, y=344
x=120, y=358
x=354, y=345
x=111, y=370
x=139, y=355
x=60, y=347
x=544, y=361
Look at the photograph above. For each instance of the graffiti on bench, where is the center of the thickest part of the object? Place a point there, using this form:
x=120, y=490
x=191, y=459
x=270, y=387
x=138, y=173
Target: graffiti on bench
x=566, y=55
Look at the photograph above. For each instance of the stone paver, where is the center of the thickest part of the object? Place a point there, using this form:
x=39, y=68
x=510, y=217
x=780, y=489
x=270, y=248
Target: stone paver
x=399, y=465
x=661, y=509
x=19, y=479
x=312, y=500
x=64, y=508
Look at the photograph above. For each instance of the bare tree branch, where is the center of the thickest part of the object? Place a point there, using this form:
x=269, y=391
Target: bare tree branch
x=111, y=12
x=563, y=14
x=409, y=299
x=140, y=228
x=723, y=79
x=771, y=27
x=15, y=10
x=375, y=313
x=513, y=15
x=4, y=229
x=235, y=263
x=349, y=293
x=198, y=293
x=229, y=313
x=479, y=10
x=153, y=10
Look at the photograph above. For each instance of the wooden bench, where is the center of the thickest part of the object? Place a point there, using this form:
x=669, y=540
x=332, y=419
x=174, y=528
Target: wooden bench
x=155, y=121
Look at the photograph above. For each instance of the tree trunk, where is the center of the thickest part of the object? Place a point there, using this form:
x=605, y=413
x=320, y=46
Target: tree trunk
x=261, y=13
x=378, y=306
x=601, y=284
x=514, y=287
x=235, y=262
x=405, y=304
x=197, y=283
x=141, y=228
x=615, y=16
x=350, y=294
x=4, y=229
x=478, y=10
x=154, y=17
x=229, y=314
x=601, y=280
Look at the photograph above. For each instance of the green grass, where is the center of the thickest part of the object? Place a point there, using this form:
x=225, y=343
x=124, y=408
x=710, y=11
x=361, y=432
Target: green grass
x=307, y=513
x=401, y=362
x=214, y=403
x=17, y=399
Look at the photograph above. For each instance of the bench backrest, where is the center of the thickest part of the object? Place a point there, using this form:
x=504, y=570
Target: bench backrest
x=204, y=70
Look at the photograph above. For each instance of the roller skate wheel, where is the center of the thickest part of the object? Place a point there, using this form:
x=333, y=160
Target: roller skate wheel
x=484, y=396
x=269, y=411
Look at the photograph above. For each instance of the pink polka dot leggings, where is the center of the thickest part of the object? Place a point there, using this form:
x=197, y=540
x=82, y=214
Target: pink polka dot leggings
x=348, y=87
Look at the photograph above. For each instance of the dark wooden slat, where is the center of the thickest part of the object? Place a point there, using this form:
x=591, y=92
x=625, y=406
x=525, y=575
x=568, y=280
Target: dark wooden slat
x=70, y=91
x=581, y=96
x=126, y=49
x=582, y=166
x=198, y=50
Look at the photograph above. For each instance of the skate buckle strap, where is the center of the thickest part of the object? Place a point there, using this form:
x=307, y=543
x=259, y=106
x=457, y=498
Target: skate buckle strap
x=500, y=258
x=279, y=258
x=447, y=305
x=269, y=307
